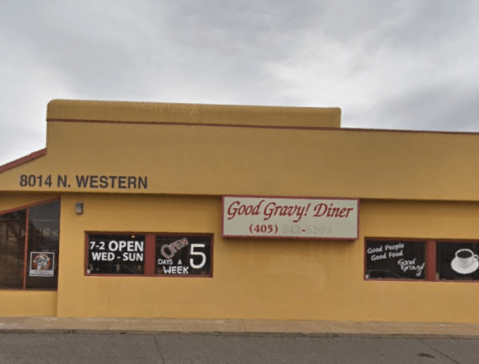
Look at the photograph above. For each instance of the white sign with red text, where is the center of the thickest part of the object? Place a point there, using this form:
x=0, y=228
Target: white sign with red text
x=301, y=218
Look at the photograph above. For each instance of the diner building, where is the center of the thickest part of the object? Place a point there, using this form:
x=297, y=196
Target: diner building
x=159, y=210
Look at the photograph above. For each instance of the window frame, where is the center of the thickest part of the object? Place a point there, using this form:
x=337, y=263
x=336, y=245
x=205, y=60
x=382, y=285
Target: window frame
x=25, y=247
x=430, y=259
x=150, y=254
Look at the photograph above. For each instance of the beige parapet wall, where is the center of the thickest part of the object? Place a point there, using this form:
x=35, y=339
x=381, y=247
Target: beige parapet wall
x=145, y=112
x=215, y=150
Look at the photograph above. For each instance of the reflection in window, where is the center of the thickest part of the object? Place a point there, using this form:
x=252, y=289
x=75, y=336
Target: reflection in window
x=43, y=242
x=31, y=264
x=12, y=249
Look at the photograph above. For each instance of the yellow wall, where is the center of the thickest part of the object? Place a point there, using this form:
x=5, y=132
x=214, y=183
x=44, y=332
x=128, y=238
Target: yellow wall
x=148, y=112
x=411, y=185
x=252, y=279
x=28, y=302
x=418, y=301
x=9, y=201
x=213, y=160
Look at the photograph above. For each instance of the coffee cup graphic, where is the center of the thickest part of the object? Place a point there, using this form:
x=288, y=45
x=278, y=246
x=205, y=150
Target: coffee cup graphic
x=465, y=261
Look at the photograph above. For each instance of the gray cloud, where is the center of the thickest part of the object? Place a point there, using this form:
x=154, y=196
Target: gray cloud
x=397, y=64
x=446, y=108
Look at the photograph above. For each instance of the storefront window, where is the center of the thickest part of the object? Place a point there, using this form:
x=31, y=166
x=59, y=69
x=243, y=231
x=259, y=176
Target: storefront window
x=183, y=255
x=429, y=260
x=167, y=255
x=43, y=242
x=30, y=260
x=12, y=249
x=395, y=259
x=457, y=261
x=116, y=254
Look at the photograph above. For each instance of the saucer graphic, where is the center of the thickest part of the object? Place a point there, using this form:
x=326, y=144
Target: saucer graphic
x=457, y=268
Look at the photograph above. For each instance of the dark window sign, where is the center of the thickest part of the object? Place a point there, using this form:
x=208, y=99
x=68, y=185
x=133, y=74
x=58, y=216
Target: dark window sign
x=457, y=261
x=395, y=260
x=116, y=254
x=183, y=255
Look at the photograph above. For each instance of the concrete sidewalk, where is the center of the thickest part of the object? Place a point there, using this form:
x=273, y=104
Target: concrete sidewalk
x=194, y=326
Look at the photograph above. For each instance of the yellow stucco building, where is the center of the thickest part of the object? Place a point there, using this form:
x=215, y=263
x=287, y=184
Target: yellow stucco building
x=208, y=211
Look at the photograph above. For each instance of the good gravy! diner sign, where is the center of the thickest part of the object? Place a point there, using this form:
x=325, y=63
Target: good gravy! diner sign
x=302, y=218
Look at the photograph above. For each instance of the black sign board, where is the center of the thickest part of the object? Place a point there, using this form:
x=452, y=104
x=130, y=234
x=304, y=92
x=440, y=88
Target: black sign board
x=395, y=260
x=116, y=254
x=188, y=255
x=457, y=261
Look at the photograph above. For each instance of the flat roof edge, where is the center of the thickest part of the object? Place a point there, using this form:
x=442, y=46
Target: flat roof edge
x=152, y=112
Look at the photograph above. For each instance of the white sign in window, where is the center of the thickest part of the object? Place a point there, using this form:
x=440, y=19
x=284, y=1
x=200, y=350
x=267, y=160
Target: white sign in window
x=301, y=218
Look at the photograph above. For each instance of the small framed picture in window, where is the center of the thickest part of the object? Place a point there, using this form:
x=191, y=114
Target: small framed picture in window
x=42, y=264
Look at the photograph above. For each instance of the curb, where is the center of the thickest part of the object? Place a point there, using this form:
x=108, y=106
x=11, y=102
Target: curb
x=235, y=333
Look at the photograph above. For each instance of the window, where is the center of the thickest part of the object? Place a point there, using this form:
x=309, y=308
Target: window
x=139, y=254
x=29, y=241
x=430, y=260
x=395, y=259
x=183, y=256
x=116, y=254
x=457, y=261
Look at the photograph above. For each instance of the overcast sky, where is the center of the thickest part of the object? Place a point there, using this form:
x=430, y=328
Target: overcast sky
x=395, y=64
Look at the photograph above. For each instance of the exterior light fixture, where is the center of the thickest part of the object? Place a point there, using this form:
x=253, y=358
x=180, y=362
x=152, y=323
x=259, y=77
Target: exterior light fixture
x=79, y=208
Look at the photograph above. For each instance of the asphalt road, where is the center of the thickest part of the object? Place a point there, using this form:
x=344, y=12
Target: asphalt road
x=76, y=348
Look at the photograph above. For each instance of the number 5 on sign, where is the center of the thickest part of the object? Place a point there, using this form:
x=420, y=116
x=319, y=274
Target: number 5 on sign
x=201, y=254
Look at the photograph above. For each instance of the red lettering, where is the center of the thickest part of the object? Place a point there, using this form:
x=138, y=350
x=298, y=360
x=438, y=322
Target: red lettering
x=292, y=210
x=345, y=211
x=232, y=210
x=269, y=211
x=301, y=211
x=320, y=209
x=257, y=207
x=333, y=211
x=237, y=209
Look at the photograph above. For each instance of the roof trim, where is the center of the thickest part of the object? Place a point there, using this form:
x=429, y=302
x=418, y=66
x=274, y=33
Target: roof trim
x=193, y=113
x=344, y=129
x=192, y=124
x=23, y=160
